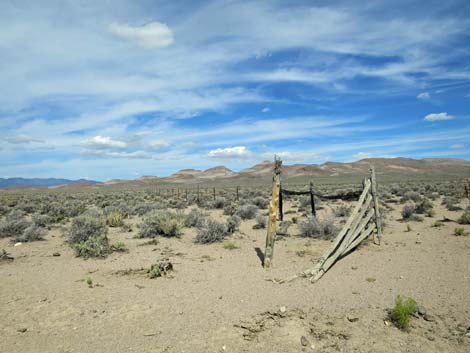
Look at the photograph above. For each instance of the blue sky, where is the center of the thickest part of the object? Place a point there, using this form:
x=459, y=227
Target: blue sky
x=120, y=89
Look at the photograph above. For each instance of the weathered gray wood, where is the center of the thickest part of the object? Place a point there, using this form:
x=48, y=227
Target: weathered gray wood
x=361, y=238
x=346, y=227
x=378, y=235
x=272, y=220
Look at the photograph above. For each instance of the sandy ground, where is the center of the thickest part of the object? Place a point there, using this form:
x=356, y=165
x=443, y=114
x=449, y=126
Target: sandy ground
x=220, y=300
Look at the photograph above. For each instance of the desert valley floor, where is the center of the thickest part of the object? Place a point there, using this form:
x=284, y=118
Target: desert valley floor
x=220, y=300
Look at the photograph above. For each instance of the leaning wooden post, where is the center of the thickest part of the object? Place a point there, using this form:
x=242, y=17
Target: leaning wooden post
x=272, y=220
x=373, y=189
x=281, y=212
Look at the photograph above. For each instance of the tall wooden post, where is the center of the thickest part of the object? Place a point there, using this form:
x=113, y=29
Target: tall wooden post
x=237, y=193
x=378, y=222
x=213, y=193
x=312, y=200
x=281, y=211
x=198, y=199
x=272, y=221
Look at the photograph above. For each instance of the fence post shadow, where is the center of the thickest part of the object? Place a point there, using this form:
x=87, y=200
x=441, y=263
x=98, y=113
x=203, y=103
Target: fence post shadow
x=260, y=255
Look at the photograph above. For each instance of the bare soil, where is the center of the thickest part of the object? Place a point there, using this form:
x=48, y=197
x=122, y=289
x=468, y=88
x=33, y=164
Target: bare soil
x=219, y=300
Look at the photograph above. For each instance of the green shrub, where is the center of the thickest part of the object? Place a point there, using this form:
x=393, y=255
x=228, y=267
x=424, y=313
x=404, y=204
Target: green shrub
x=119, y=247
x=164, y=223
x=408, y=211
x=459, y=231
x=401, y=313
x=115, y=219
x=211, y=232
x=94, y=246
x=464, y=218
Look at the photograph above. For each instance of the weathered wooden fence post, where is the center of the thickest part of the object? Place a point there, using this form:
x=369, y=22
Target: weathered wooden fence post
x=198, y=199
x=312, y=200
x=213, y=192
x=281, y=212
x=272, y=220
x=237, y=194
x=378, y=235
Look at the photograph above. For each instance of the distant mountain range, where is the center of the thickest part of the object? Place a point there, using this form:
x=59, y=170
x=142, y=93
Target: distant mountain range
x=35, y=182
x=387, y=169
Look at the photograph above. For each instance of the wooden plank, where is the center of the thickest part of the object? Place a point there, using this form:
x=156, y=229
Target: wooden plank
x=373, y=179
x=346, y=227
x=361, y=238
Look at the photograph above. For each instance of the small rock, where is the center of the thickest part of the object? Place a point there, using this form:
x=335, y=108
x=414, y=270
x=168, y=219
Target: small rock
x=18, y=244
x=304, y=341
x=22, y=330
x=354, y=268
x=421, y=310
x=428, y=317
x=56, y=254
x=282, y=309
x=352, y=318
x=370, y=279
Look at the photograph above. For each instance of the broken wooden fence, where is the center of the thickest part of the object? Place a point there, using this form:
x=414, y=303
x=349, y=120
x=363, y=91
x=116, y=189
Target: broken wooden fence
x=363, y=221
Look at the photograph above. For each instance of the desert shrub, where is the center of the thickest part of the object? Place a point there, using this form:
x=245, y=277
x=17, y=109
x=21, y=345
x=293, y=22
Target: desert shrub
x=4, y=210
x=459, y=231
x=211, y=232
x=115, y=219
x=247, y=211
x=164, y=223
x=260, y=222
x=32, y=233
x=342, y=211
x=89, y=224
x=230, y=209
x=233, y=222
x=464, y=218
x=260, y=202
x=93, y=246
x=410, y=196
x=42, y=220
x=55, y=210
x=195, y=218
x=310, y=228
x=119, y=247
x=219, y=202
x=72, y=208
x=424, y=206
x=143, y=208
x=328, y=227
x=451, y=203
x=408, y=211
x=283, y=228
x=402, y=312
x=13, y=224
x=437, y=224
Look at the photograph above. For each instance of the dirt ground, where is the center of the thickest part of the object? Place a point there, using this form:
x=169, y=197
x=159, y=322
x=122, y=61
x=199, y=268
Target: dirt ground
x=220, y=300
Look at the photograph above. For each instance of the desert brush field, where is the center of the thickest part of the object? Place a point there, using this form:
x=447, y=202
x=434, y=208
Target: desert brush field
x=99, y=269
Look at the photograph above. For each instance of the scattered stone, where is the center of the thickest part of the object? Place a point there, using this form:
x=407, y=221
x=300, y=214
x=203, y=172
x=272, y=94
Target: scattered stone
x=352, y=318
x=5, y=256
x=282, y=309
x=56, y=253
x=22, y=330
x=304, y=341
x=354, y=268
x=421, y=310
x=428, y=317
x=370, y=279
x=18, y=244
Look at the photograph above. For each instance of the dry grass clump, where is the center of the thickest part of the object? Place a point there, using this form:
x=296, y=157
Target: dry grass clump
x=408, y=213
x=32, y=233
x=163, y=223
x=233, y=223
x=260, y=221
x=465, y=217
x=247, y=211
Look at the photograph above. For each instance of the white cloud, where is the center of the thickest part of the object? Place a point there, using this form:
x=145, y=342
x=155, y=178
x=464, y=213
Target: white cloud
x=159, y=144
x=128, y=155
x=230, y=152
x=438, y=116
x=103, y=142
x=362, y=155
x=423, y=95
x=265, y=110
x=20, y=139
x=457, y=146
x=153, y=35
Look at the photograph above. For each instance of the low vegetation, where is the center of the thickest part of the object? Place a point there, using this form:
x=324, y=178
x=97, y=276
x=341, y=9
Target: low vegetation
x=402, y=312
x=161, y=223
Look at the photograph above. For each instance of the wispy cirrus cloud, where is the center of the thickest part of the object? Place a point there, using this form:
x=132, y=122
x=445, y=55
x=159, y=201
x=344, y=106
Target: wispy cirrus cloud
x=152, y=35
x=103, y=142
